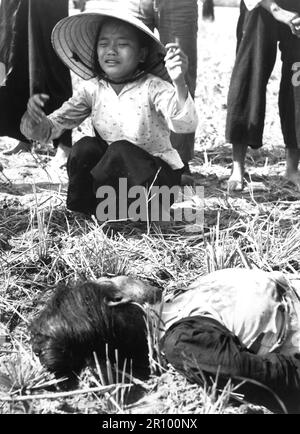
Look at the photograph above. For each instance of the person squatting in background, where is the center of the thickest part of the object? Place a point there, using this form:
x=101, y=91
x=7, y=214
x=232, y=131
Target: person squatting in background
x=261, y=25
x=132, y=110
x=30, y=65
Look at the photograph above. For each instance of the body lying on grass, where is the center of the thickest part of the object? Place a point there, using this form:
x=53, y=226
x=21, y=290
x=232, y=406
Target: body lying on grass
x=234, y=324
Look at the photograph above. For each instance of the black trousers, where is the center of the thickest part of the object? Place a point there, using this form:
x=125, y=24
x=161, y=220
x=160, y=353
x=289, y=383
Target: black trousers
x=199, y=344
x=32, y=61
x=92, y=164
x=258, y=34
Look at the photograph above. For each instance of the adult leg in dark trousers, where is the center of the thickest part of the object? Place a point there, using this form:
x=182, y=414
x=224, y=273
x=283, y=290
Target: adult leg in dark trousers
x=208, y=12
x=32, y=62
x=257, y=36
x=199, y=346
x=289, y=102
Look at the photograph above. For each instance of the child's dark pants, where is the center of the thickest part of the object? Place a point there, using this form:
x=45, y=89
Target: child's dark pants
x=92, y=164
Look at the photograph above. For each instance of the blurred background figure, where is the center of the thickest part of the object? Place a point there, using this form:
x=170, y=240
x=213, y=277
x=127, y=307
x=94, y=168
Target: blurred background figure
x=28, y=64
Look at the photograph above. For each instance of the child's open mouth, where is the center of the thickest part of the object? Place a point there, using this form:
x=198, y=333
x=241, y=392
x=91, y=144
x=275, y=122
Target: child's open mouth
x=111, y=62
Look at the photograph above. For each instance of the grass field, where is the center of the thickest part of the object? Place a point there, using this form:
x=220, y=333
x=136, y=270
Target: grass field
x=41, y=244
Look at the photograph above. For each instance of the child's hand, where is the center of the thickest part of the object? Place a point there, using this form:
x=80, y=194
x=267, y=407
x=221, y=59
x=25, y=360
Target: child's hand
x=295, y=26
x=176, y=62
x=35, y=106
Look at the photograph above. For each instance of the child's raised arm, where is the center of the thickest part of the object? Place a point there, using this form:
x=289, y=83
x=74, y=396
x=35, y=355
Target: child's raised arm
x=177, y=64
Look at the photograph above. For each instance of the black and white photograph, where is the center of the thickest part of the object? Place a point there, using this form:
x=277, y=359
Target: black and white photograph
x=149, y=210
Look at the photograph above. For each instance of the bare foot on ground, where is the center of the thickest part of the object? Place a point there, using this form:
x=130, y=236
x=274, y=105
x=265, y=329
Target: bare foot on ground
x=235, y=182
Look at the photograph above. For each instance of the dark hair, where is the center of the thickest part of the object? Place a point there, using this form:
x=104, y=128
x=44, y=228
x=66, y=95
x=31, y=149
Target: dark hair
x=78, y=321
x=144, y=41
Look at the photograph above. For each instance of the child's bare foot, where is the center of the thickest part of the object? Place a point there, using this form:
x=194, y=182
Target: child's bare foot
x=20, y=147
x=294, y=177
x=61, y=157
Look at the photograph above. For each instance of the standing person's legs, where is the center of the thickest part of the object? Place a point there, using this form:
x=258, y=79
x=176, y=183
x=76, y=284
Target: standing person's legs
x=14, y=95
x=142, y=9
x=289, y=103
x=179, y=19
x=257, y=34
x=47, y=73
x=51, y=75
x=208, y=10
x=201, y=347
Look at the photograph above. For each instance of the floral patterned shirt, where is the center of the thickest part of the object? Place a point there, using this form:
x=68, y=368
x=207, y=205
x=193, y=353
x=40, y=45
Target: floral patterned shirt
x=143, y=113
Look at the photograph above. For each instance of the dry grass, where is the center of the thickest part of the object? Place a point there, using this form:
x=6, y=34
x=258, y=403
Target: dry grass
x=42, y=244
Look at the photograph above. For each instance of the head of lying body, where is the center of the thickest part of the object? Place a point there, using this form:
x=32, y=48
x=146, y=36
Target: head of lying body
x=95, y=317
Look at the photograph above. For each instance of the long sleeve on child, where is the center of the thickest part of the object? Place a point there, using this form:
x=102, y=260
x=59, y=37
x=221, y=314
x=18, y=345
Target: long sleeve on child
x=163, y=97
x=71, y=114
x=143, y=113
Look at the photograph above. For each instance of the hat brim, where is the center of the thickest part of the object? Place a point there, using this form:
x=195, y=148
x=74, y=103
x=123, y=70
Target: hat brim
x=74, y=37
